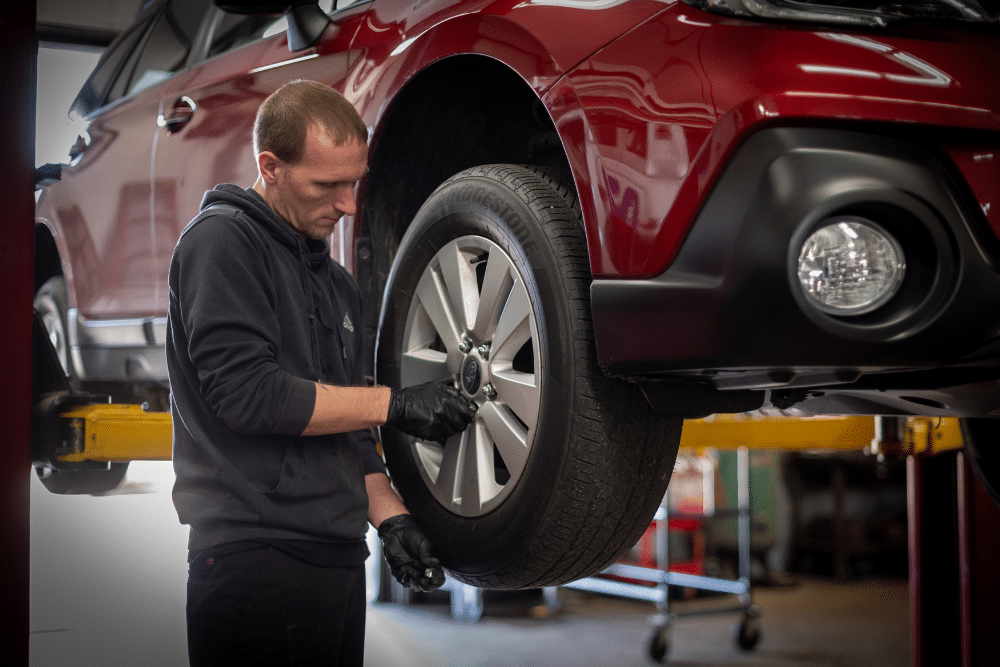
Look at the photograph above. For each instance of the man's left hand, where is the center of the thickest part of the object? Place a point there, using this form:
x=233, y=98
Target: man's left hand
x=409, y=554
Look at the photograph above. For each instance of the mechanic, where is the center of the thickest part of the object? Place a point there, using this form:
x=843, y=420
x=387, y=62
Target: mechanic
x=276, y=466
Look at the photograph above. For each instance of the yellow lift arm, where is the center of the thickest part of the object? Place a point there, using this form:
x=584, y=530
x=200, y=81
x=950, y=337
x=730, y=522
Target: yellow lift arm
x=115, y=432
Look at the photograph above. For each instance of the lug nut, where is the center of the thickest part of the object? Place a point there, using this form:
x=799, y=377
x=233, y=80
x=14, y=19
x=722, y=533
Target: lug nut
x=465, y=345
x=484, y=351
x=489, y=391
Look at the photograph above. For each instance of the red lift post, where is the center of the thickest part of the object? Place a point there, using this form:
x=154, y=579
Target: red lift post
x=954, y=577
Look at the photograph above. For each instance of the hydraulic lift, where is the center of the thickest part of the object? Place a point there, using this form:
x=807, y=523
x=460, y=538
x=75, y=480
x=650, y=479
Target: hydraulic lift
x=954, y=583
x=113, y=433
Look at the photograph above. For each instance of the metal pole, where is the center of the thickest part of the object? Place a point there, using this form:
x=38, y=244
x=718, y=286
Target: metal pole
x=663, y=557
x=743, y=505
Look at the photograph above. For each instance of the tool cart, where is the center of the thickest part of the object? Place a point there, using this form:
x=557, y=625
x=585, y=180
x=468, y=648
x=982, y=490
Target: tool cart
x=652, y=581
x=632, y=581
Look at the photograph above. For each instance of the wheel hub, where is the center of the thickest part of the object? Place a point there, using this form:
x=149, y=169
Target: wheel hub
x=472, y=376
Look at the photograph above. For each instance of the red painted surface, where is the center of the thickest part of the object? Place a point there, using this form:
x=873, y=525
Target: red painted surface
x=650, y=99
x=650, y=120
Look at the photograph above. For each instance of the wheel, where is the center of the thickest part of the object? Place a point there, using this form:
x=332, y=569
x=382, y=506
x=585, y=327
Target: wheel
x=981, y=438
x=51, y=303
x=746, y=633
x=563, y=468
x=81, y=481
x=659, y=644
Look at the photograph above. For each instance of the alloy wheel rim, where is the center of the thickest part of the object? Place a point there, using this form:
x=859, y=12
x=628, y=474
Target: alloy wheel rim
x=52, y=322
x=471, y=315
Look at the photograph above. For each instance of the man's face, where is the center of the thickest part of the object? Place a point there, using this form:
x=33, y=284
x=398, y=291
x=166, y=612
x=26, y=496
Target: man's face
x=313, y=194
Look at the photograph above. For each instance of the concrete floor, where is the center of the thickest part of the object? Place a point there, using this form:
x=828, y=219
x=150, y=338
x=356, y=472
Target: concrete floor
x=108, y=578
x=815, y=623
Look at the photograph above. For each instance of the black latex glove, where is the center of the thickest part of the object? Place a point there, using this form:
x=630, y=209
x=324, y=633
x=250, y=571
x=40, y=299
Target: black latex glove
x=409, y=554
x=431, y=411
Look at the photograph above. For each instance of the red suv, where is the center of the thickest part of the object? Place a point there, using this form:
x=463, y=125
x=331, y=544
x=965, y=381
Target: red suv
x=597, y=216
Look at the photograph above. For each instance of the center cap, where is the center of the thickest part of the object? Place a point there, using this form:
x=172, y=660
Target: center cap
x=471, y=376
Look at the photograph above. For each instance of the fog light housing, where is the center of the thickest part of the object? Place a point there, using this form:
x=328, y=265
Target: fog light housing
x=850, y=266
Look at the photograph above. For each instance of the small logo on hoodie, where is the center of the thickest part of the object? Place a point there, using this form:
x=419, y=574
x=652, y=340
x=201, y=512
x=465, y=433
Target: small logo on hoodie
x=348, y=324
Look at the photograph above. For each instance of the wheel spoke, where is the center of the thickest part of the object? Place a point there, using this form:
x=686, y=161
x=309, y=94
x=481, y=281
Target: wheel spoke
x=509, y=436
x=514, y=326
x=432, y=293
x=423, y=365
x=431, y=454
x=479, y=477
x=460, y=280
x=497, y=283
x=519, y=391
x=448, y=482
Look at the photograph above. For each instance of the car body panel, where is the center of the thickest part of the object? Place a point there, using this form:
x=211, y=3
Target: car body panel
x=227, y=91
x=659, y=127
x=650, y=102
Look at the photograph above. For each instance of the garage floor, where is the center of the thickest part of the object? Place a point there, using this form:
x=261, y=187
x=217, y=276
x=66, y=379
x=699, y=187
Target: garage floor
x=816, y=622
x=108, y=581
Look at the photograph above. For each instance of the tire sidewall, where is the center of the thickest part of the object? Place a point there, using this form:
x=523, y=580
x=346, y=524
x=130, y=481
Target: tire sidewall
x=488, y=208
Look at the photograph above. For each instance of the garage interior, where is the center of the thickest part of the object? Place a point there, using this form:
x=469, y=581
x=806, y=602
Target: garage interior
x=870, y=541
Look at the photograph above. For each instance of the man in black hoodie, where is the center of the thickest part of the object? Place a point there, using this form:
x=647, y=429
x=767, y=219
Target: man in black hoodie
x=277, y=469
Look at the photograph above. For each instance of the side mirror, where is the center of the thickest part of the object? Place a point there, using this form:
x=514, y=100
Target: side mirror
x=306, y=21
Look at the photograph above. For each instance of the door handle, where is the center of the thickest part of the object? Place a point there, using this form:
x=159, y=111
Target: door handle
x=180, y=115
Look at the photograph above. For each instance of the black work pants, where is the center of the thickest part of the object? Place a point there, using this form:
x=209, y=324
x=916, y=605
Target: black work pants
x=265, y=607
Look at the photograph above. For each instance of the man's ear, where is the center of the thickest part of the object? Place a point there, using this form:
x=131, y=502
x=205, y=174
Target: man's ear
x=269, y=165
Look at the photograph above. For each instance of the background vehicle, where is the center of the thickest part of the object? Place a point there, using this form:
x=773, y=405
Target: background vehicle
x=597, y=216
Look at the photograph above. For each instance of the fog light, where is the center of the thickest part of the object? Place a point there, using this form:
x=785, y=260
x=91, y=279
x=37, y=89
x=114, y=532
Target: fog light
x=850, y=267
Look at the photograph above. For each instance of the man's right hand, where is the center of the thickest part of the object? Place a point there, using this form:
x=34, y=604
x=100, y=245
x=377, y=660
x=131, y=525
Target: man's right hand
x=431, y=411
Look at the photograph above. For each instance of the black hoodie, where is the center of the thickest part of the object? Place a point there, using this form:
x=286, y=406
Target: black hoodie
x=256, y=315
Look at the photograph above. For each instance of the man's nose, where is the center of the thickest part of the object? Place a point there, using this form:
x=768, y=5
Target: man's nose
x=346, y=202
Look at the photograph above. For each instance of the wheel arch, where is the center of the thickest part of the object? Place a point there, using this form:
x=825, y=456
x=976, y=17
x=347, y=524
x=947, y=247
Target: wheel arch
x=460, y=112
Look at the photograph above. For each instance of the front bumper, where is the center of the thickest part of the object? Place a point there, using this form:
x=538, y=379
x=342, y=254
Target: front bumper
x=727, y=316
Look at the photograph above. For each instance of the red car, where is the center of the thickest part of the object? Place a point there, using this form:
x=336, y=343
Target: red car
x=597, y=216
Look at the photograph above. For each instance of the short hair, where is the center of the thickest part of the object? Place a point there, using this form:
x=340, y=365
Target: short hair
x=285, y=116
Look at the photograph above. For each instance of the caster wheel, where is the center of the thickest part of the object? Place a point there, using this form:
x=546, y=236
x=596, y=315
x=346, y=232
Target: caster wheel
x=659, y=644
x=746, y=634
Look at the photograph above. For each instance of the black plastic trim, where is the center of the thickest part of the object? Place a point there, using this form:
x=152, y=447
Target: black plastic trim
x=729, y=312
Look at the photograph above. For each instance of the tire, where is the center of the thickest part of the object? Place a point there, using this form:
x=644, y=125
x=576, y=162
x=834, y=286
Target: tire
x=563, y=468
x=52, y=305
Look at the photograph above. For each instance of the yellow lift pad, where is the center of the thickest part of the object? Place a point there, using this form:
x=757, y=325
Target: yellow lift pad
x=120, y=432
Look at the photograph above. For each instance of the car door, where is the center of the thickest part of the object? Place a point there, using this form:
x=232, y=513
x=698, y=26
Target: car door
x=105, y=205
x=211, y=140
x=102, y=204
